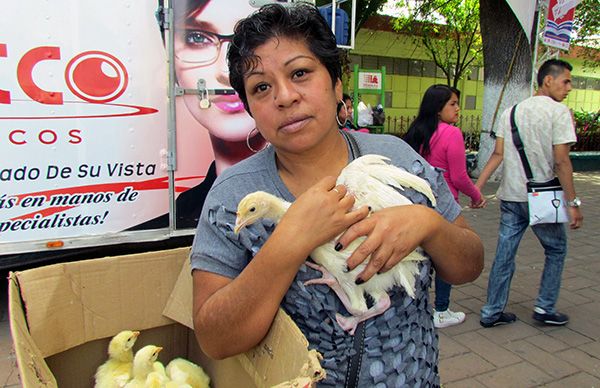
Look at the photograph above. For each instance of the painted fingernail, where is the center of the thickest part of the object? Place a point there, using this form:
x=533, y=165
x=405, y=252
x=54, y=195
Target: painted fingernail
x=346, y=269
x=359, y=281
x=338, y=247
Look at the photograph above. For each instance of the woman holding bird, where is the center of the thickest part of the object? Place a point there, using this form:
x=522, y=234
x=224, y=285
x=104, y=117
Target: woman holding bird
x=284, y=64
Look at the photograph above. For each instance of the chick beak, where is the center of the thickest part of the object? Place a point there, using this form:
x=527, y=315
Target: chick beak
x=238, y=225
x=135, y=334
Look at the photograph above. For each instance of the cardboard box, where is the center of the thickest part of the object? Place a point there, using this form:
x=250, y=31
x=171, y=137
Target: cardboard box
x=62, y=317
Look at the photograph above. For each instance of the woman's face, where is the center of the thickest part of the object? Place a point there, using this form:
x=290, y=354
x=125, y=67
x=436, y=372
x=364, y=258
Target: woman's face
x=346, y=113
x=449, y=113
x=226, y=117
x=290, y=95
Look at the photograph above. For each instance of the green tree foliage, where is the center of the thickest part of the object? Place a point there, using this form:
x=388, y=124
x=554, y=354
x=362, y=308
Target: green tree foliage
x=449, y=31
x=366, y=8
x=587, y=27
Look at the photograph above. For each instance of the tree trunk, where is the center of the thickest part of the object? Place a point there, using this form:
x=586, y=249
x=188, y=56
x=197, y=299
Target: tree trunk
x=503, y=38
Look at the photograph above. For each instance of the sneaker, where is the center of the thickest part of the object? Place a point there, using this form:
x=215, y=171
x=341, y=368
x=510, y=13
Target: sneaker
x=503, y=319
x=554, y=319
x=447, y=318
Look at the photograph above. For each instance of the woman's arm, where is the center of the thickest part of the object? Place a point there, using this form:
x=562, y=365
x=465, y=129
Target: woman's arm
x=457, y=167
x=233, y=315
x=461, y=261
x=392, y=233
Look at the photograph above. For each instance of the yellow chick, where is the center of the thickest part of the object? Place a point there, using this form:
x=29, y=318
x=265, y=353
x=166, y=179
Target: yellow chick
x=186, y=373
x=116, y=371
x=143, y=365
x=155, y=380
x=158, y=377
x=159, y=368
x=158, y=380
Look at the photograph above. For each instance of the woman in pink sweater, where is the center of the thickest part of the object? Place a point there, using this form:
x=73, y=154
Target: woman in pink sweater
x=434, y=136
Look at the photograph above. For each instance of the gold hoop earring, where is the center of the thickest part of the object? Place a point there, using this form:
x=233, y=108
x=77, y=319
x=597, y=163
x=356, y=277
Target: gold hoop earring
x=248, y=140
x=337, y=112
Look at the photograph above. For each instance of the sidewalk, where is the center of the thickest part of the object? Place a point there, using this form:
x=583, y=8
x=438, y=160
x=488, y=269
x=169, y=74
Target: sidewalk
x=523, y=354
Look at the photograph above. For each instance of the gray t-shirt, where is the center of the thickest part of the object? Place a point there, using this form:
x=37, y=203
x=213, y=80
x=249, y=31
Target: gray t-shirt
x=401, y=344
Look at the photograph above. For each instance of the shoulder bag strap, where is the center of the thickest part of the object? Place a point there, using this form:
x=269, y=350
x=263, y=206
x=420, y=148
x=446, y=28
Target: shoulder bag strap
x=519, y=144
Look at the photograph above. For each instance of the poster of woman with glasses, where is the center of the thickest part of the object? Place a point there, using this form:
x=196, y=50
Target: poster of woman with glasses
x=213, y=123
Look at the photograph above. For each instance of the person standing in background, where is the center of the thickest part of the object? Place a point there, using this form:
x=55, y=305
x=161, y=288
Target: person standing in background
x=345, y=112
x=434, y=136
x=547, y=133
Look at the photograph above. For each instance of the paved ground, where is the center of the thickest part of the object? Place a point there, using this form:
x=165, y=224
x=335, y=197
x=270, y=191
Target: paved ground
x=525, y=354
x=522, y=354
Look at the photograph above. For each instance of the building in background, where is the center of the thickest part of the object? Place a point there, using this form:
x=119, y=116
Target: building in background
x=409, y=72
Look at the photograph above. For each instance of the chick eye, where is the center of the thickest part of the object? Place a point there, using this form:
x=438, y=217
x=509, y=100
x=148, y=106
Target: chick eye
x=252, y=209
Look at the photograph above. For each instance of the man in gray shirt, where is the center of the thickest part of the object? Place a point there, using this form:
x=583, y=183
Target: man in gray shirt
x=547, y=132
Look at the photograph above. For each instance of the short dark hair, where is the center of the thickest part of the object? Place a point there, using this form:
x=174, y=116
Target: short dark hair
x=552, y=67
x=300, y=21
x=346, y=97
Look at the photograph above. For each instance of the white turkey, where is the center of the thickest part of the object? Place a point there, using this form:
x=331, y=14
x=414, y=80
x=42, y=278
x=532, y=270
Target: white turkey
x=376, y=184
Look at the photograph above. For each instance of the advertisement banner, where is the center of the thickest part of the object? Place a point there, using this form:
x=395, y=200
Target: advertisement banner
x=83, y=119
x=369, y=80
x=214, y=131
x=559, y=23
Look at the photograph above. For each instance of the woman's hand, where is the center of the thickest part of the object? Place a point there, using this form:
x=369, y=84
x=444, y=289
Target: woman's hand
x=478, y=205
x=320, y=214
x=392, y=234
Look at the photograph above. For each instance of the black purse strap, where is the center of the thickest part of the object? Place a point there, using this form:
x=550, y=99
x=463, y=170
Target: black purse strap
x=519, y=144
x=358, y=344
x=354, y=362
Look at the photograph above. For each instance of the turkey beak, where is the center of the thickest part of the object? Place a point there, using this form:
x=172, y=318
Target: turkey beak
x=239, y=224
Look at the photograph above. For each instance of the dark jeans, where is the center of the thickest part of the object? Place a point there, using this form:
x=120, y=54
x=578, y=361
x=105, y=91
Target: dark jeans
x=442, y=294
